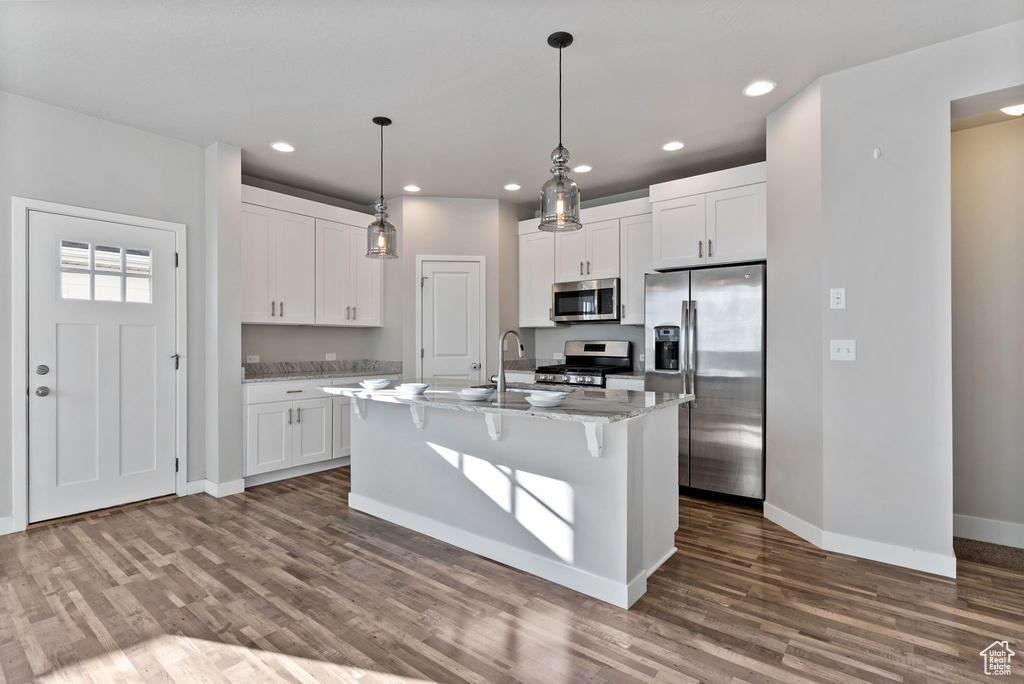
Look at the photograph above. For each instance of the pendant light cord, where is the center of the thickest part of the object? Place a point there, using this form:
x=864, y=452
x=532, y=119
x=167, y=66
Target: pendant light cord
x=559, y=96
x=382, y=162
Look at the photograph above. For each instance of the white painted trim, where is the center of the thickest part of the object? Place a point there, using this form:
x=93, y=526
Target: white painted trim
x=482, y=260
x=620, y=594
x=710, y=182
x=915, y=559
x=800, y=528
x=224, y=488
x=664, y=559
x=20, y=208
x=7, y=525
x=296, y=471
x=989, y=530
x=616, y=210
x=195, y=487
x=304, y=207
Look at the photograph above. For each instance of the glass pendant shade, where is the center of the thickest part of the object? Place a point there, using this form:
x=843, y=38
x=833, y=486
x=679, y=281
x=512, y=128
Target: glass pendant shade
x=560, y=197
x=381, y=236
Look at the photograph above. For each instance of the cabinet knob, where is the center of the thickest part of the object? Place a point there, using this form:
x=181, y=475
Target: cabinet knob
x=42, y=370
x=42, y=391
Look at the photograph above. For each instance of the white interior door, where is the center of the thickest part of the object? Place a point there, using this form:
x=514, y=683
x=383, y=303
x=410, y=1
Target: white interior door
x=102, y=321
x=452, y=315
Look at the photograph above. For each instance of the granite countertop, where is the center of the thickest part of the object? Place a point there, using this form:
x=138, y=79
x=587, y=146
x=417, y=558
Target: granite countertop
x=581, y=405
x=315, y=370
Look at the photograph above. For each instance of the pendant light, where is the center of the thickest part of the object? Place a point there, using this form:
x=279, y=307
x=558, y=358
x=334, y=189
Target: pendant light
x=560, y=196
x=381, y=234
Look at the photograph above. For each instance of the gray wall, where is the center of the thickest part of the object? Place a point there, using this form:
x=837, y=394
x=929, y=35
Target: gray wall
x=885, y=235
x=305, y=343
x=988, y=321
x=793, y=438
x=60, y=156
x=550, y=341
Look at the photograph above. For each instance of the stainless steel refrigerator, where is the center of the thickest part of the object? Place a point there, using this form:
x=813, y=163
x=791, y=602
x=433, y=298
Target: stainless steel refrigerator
x=705, y=335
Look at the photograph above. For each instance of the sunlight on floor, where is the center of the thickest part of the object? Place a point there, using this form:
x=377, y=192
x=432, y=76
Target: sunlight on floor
x=542, y=505
x=187, y=659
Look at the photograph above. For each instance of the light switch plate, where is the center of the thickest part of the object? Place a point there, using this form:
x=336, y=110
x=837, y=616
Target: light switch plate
x=331, y=356
x=837, y=298
x=558, y=356
x=252, y=358
x=843, y=350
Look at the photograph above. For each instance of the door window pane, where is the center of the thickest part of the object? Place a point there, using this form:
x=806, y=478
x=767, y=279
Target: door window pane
x=74, y=254
x=108, y=258
x=137, y=290
x=108, y=287
x=74, y=285
x=137, y=261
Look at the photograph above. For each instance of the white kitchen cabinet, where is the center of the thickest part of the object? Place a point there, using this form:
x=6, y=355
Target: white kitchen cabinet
x=678, y=232
x=268, y=443
x=342, y=427
x=312, y=431
x=737, y=224
x=590, y=253
x=636, y=256
x=536, y=276
x=349, y=287
x=278, y=277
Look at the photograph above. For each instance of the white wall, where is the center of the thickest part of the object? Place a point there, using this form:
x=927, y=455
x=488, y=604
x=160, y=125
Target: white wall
x=57, y=155
x=885, y=235
x=549, y=341
x=305, y=342
x=988, y=328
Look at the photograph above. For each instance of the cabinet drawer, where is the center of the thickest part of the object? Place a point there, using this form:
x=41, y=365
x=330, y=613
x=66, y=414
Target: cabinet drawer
x=292, y=390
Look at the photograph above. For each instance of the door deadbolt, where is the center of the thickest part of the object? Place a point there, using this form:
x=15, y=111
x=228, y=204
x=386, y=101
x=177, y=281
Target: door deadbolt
x=42, y=391
x=42, y=370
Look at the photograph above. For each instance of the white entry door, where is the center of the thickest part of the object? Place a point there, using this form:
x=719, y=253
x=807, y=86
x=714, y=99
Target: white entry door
x=101, y=346
x=452, y=315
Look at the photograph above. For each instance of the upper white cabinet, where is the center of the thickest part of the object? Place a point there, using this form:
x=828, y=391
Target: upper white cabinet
x=590, y=253
x=301, y=267
x=348, y=285
x=711, y=219
x=635, y=253
x=536, y=276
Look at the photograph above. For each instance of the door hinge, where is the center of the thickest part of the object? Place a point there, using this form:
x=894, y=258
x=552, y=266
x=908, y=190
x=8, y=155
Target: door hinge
x=422, y=353
x=177, y=361
x=423, y=279
x=175, y=260
x=175, y=465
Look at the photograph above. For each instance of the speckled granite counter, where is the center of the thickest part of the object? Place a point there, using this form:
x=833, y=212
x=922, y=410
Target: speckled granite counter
x=580, y=405
x=314, y=370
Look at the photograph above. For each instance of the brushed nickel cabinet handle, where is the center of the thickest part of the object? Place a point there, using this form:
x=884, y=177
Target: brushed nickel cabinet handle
x=282, y=309
x=298, y=415
x=347, y=309
x=700, y=249
x=623, y=315
x=588, y=268
x=581, y=268
x=353, y=313
x=273, y=309
x=289, y=416
x=709, y=247
x=293, y=391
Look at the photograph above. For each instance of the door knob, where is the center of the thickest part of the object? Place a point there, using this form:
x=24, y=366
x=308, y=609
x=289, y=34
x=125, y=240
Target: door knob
x=42, y=370
x=474, y=366
x=42, y=391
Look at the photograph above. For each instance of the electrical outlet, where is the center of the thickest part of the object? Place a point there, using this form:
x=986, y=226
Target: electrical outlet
x=837, y=298
x=252, y=358
x=843, y=350
x=558, y=356
x=331, y=356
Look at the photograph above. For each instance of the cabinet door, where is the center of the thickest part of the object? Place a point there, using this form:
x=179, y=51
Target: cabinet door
x=312, y=431
x=570, y=256
x=333, y=273
x=679, y=232
x=268, y=437
x=737, y=225
x=536, y=276
x=636, y=252
x=296, y=269
x=342, y=427
x=366, y=284
x=602, y=249
x=259, y=264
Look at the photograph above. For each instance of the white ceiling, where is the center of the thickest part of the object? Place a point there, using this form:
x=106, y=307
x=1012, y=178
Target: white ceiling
x=471, y=85
x=984, y=109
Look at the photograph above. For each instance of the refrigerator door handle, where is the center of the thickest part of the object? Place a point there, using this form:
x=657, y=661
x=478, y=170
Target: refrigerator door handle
x=691, y=330
x=684, y=355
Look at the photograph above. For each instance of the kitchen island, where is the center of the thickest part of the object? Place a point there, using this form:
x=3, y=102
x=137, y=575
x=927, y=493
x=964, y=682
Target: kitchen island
x=583, y=495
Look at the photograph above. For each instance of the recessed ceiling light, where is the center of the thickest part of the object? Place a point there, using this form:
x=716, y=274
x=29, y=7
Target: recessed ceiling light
x=1016, y=110
x=673, y=146
x=582, y=168
x=512, y=186
x=759, y=88
x=283, y=147
x=411, y=188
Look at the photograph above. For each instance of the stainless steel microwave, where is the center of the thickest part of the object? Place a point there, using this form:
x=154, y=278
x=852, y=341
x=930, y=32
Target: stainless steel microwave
x=585, y=301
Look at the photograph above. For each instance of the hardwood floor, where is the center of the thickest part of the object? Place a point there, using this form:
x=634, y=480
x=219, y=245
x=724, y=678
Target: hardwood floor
x=284, y=583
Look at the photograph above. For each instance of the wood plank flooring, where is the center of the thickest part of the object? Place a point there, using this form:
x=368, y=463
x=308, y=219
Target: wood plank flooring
x=284, y=583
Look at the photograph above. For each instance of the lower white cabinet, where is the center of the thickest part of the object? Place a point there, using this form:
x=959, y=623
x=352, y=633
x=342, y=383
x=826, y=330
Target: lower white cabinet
x=312, y=431
x=342, y=427
x=283, y=434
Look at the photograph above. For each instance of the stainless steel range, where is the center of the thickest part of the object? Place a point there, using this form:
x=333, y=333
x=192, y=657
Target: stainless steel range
x=587, y=362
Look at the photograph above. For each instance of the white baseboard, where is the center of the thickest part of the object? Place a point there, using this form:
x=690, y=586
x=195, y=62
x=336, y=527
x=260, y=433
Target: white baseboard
x=7, y=525
x=195, y=487
x=800, y=528
x=621, y=594
x=220, y=489
x=989, y=530
x=651, y=570
x=915, y=559
x=307, y=469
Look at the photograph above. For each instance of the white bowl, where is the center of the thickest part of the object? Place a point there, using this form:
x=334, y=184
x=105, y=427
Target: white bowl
x=379, y=383
x=413, y=387
x=482, y=391
x=543, y=394
x=475, y=396
x=543, y=403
